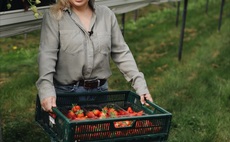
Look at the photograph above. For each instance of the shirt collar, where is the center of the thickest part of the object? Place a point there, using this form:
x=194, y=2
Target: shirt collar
x=68, y=9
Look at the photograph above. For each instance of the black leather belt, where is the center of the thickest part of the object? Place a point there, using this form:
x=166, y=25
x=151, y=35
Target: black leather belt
x=90, y=84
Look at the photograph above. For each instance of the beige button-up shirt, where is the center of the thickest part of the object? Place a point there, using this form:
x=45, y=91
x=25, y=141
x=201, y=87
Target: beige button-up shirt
x=68, y=53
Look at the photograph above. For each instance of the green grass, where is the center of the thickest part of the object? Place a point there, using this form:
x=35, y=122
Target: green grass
x=195, y=90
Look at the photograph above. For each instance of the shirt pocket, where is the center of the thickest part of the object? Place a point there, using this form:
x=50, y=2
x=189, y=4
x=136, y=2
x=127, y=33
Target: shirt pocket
x=71, y=41
x=104, y=42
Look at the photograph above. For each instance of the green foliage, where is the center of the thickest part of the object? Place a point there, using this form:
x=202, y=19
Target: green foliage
x=32, y=5
x=195, y=90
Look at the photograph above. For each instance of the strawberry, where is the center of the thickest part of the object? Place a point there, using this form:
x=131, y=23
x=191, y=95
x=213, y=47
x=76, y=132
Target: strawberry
x=133, y=113
x=113, y=114
x=111, y=110
x=128, y=122
x=90, y=114
x=75, y=108
x=80, y=118
x=120, y=124
x=130, y=110
x=116, y=125
x=140, y=113
x=105, y=109
x=96, y=112
x=122, y=112
x=103, y=115
x=79, y=113
x=71, y=114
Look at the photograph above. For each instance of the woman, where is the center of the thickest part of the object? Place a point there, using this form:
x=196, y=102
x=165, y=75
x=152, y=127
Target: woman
x=77, y=40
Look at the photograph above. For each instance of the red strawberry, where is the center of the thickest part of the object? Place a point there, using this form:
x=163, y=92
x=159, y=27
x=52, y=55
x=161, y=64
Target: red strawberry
x=80, y=113
x=103, y=115
x=90, y=114
x=113, y=114
x=96, y=112
x=71, y=114
x=140, y=113
x=75, y=108
x=111, y=110
x=130, y=110
x=128, y=122
x=105, y=109
x=122, y=112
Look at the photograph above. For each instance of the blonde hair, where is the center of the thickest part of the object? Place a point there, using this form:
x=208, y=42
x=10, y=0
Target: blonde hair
x=60, y=5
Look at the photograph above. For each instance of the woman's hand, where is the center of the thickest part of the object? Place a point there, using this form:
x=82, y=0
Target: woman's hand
x=48, y=103
x=146, y=97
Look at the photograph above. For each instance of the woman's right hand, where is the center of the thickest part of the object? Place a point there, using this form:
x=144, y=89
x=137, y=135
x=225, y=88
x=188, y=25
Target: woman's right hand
x=48, y=103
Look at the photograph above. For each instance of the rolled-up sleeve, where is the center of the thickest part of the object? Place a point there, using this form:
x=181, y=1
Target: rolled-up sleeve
x=125, y=61
x=47, y=57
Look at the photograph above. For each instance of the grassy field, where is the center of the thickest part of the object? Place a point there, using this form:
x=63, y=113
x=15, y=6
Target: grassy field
x=196, y=90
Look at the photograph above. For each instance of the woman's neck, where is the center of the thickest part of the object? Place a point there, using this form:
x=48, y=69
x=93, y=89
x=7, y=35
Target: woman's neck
x=81, y=10
x=84, y=13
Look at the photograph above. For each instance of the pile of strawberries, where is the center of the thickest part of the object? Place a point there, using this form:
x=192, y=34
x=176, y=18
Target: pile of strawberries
x=78, y=113
x=119, y=128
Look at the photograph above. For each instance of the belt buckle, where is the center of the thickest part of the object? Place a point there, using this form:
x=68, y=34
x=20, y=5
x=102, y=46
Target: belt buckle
x=90, y=83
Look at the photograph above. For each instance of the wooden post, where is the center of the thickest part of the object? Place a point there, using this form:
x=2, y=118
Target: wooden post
x=182, y=29
x=178, y=13
x=221, y=13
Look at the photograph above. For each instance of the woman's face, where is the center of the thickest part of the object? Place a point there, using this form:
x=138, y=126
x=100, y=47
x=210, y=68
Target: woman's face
x=78, y=3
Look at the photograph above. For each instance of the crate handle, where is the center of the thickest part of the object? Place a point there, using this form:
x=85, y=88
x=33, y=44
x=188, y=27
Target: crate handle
x=154, y=106
x=150, y=106
x=61, y=115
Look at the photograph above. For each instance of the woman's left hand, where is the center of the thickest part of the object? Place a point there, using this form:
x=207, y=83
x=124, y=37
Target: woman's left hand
x=145, y=97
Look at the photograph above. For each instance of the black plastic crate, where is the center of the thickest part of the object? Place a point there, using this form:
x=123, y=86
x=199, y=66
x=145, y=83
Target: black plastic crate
x=154, y=125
